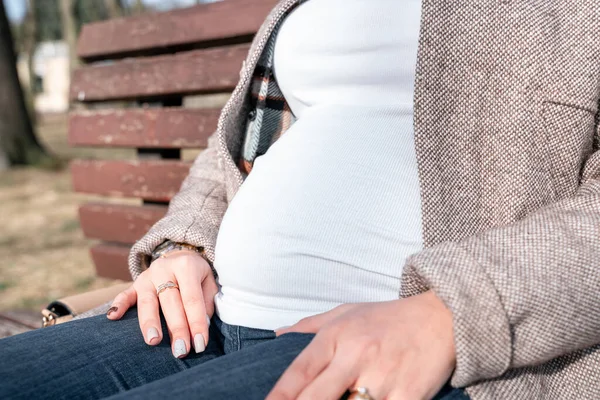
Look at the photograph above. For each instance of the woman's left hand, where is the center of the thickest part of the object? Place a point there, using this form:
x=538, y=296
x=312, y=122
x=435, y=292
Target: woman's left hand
x=401, y=349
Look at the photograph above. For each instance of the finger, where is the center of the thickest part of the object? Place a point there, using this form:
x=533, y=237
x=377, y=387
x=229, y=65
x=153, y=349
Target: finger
x=209, y=291
x=190, y=287
x=314, y=323
x=378, y=379
x=334, y=380
x=122, y=302
x=172, y=308
x=400, y=393
x=304, y=369
x=148, y=311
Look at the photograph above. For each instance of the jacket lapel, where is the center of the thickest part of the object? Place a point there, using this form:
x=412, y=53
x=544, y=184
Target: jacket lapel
x=232, y=121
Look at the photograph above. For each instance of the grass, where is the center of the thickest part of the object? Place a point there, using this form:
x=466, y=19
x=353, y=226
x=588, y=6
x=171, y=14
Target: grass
x=70, y=225
x=43, y=253
x=7, y=240
x=6, y=180
x=84, y=283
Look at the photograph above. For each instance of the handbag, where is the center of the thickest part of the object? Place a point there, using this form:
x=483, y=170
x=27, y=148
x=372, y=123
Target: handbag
x=66, y=308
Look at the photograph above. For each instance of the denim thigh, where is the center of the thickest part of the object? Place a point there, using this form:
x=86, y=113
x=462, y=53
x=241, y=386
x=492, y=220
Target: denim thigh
x=90, y=358
x=96, y=358
x=248, y=373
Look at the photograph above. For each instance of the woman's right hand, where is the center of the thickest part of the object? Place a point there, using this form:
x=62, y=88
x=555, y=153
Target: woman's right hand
x=187, y=310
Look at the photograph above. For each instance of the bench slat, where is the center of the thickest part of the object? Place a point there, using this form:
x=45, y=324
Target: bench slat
x=111, y=261
x=156, y=180
x=145, y=128
x=193, y=72
x=117, y=222
x=174, y=29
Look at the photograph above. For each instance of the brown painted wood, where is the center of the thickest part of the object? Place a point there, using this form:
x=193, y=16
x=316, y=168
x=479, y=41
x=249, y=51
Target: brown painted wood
x=192, y=72
x=145, y=128
x=117, y=222
x=111, y=261
x=8, y=327
x=203, y=24
x=28, y=318
x=156, y=180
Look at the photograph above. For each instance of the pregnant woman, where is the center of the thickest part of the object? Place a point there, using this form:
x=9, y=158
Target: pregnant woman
x=279, y=267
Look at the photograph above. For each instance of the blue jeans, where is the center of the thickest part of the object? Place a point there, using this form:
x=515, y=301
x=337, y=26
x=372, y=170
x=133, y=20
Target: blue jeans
x=96, y=358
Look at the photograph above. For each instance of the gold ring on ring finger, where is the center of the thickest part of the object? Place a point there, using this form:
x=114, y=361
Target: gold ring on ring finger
x=164, y=286
x=360, y=393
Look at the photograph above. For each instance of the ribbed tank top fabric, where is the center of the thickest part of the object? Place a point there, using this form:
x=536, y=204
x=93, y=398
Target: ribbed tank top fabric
x=330, y=212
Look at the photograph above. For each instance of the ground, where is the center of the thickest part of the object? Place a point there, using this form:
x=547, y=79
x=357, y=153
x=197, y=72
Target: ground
x=43, y=254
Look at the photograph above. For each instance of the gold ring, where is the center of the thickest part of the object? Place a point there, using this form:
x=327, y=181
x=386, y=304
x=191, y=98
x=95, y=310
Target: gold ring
x=164, y=286
x=360, y=393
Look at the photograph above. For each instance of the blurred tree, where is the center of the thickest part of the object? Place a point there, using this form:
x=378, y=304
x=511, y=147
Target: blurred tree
x=86, y=11
x=28, y=41
x=48, y=20
x=69, y=32
x=18, y=144
x=137, y=7
x=115, y=8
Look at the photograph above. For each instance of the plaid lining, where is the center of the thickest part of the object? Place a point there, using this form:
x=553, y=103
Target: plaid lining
x=271, y=115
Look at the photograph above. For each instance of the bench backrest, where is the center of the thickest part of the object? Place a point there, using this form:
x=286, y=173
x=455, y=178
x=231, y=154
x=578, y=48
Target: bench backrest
x=153, y=62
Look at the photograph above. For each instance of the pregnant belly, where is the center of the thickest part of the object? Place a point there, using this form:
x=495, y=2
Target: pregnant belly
x=329, y=214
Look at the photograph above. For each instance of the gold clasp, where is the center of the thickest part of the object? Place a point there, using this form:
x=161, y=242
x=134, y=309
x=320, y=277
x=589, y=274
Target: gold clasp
x=48, y=318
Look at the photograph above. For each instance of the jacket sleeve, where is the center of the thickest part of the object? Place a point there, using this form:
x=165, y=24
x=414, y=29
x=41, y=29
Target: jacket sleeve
x=194, y=213
x=520, y=294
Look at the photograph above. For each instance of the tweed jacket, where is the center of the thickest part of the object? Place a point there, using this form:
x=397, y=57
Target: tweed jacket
x=506, y=103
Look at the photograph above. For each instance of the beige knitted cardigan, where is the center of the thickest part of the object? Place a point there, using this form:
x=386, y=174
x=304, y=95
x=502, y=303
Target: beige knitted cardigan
x=506, y=100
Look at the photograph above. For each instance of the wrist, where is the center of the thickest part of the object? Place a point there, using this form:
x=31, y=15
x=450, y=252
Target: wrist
x=177, y=257
x=182, y=253
x=444, y=321
x=169, y=248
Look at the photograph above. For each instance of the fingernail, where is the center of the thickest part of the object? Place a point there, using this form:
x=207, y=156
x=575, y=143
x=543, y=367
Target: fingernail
x=112, y=310
x=151, y=334
x=208, y=320
x=179, y=348
x=199, y=345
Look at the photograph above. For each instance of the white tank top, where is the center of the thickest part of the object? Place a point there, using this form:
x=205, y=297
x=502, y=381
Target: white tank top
x=332, y=210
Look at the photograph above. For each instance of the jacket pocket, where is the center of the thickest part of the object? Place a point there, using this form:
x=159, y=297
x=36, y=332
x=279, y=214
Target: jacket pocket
x=569, y=141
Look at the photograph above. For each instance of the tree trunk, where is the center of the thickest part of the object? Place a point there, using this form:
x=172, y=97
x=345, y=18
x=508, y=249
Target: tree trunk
x=114, y=8
x=138, y=7
x=69, y=31
x=30, y=42
x=18, y=143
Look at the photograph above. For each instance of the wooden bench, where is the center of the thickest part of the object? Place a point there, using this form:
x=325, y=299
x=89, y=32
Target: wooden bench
x=153, y=62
